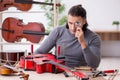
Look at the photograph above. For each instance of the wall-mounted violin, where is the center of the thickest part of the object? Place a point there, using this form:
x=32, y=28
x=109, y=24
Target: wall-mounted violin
x=13, y=29
x=23, y=5
x=5, y=4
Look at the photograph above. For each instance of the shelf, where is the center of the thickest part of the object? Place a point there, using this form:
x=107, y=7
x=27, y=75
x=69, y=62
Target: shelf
x=18, y=43
x=26, y=11
x=109, y=35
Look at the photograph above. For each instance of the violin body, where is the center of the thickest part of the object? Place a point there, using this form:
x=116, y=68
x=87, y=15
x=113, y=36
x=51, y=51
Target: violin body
x=48, y=63
x=5, y=71
x=13, y=29
x=27, y=63
x=5, y=4
x=37, y=62
x=9, y=70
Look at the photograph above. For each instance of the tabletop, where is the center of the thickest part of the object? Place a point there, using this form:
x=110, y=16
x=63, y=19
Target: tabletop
x=106, y=64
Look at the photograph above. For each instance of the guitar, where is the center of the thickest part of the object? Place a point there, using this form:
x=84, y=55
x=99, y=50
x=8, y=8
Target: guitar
x=48, y=63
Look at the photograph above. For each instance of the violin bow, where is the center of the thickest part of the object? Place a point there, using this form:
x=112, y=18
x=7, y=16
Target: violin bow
x=35, y=2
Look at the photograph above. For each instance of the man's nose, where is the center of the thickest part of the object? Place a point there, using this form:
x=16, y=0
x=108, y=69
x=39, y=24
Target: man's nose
x=73, y=26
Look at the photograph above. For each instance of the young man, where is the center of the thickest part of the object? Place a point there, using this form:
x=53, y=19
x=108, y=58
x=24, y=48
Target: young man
x=79, y=45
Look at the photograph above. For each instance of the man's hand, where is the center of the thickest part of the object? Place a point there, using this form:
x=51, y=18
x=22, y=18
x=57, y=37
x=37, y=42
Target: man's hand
x=80, y=35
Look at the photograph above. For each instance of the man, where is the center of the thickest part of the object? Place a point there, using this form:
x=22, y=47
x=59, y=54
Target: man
x=79, y=45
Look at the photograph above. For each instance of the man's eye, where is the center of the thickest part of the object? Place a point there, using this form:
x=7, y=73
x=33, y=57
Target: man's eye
x=77, y=23
x=70, y=23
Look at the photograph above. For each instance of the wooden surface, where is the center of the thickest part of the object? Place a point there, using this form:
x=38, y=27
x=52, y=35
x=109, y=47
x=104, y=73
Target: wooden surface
x=106, y=63
x=109, y=35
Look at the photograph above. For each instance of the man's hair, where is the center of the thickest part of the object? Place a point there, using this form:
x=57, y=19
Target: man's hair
x=78, y=10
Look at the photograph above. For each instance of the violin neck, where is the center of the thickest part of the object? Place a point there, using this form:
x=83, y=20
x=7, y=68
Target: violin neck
x=10, y=67
x=66, y=68
x=69, y=69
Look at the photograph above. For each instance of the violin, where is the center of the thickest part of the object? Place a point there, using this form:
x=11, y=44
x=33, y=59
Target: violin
x=30, y=62
x=48, y=63
x=23, y=5
x=5, y=4
x=5, y=71
x=8, y=70
x=13, y=30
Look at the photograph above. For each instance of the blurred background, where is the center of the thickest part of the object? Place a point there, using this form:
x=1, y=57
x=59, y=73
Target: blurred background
x=101, y=16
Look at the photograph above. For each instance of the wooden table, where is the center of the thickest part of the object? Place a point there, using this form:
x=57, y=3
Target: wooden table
x=106, y=63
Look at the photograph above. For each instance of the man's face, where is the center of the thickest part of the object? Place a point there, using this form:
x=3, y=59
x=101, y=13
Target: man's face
x=74, y=22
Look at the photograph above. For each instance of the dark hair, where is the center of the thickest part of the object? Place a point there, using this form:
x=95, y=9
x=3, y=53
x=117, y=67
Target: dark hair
x=78, y=10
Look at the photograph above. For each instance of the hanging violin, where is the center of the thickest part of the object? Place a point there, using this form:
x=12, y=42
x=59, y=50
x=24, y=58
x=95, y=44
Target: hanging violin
x=13, y=29
x=5, y=4
x=23, y=5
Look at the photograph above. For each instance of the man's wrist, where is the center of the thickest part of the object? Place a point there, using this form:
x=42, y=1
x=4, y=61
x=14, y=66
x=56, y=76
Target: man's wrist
x=83, y=45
